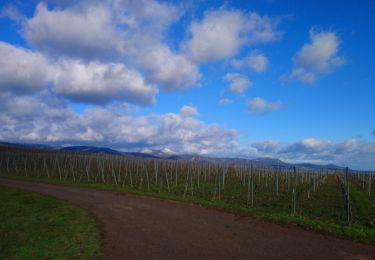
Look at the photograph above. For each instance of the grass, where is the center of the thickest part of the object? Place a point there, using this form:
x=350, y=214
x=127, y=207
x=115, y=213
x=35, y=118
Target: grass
x=327, y=204
x=317, y=214
x=363, y=208
x=33, y=226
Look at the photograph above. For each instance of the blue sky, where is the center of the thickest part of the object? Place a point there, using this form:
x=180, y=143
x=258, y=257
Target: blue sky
x=285, y=79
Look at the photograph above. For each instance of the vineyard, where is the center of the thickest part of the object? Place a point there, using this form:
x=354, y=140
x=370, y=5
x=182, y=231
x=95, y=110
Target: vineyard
x=340, y=198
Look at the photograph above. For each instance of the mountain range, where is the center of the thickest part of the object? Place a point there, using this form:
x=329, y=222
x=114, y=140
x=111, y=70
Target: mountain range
x=169, y=155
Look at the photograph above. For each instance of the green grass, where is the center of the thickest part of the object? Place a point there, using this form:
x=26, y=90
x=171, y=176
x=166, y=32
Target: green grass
x=33, y=226
x=317, y=214
x=327, y=204
x=363, y=208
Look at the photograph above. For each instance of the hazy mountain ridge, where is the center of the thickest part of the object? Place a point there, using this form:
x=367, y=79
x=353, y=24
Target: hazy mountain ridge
x=168, y=155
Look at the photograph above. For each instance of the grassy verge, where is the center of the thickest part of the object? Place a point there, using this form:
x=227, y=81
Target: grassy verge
x=33, y=226
x=308, y=221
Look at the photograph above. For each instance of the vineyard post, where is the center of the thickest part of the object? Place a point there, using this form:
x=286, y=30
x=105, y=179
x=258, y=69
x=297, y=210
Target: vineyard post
x=252, y=185
x=198, y=173
x=156, y=166
x=219, y=181
x=248, y=187
x=176, y=174
x=166, y=177
x=369, y=183
x=131, y=175
x=277, y=181
x=148, y=181
x=347, y=197
x=119, y=175
x=26, y=167
x=294, y=192
x=7, y=164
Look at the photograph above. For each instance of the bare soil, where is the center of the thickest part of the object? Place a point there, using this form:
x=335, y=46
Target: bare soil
x=137, y=227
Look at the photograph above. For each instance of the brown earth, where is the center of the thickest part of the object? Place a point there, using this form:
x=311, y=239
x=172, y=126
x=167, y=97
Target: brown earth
x=137, y=227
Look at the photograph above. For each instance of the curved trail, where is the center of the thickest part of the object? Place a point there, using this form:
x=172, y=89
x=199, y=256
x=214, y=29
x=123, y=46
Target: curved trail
x=138, y=227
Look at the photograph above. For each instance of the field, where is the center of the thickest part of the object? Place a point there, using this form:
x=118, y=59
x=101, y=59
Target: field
x=339, y=202
x=38, y=227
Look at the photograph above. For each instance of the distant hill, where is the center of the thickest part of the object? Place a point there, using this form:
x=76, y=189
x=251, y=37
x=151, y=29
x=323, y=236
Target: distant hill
x=25, y=145
x=141, y=155
x=170, y=155
x=317, y=166
x=91, y=149
x=274, y=162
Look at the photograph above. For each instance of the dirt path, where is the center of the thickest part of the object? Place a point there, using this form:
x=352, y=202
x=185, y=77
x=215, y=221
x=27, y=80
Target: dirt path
x=138, y=227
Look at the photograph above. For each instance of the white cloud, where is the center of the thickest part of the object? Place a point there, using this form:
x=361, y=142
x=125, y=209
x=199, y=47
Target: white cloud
x=259, y=105
x=266, y=147
x=101, y=83
x=11, y=12
x=321, y=54
x=22, y=70
x=152, y=16
x=303, y=75
x=318, y=57
x=86, y=32
x=58, y=124
x=257, y=61
x=238, y=83
x=225, y=101
x=314, y=143
x=355, y=153
x=118, y=30
x=222, y=33
x=188, y=111
x=47, y=120
x=237, y=63
x=172, y=71
x=309, y=146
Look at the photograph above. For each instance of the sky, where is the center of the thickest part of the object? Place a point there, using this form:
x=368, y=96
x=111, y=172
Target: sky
x=265, y=78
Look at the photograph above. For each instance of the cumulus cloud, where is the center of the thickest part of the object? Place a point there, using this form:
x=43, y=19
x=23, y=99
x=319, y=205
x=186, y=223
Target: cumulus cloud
x=222, y=33
x=188, y=111
x=357, y=153
x=101, y=83
x=44, y=119
x=171, y=70
x=81, y=48
x=257, y=61
x=321, y=54
x=79, y=32
x=259, y=105
x=152, y=16
x=237, y=63
x=238, y=83
x=318, y=57
x=22, y=70
x=309, y=146
x=225, y=101
x=11, y=12
x=130, y=32
x=57, y=123
x=266, y=147
x=301, y=74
